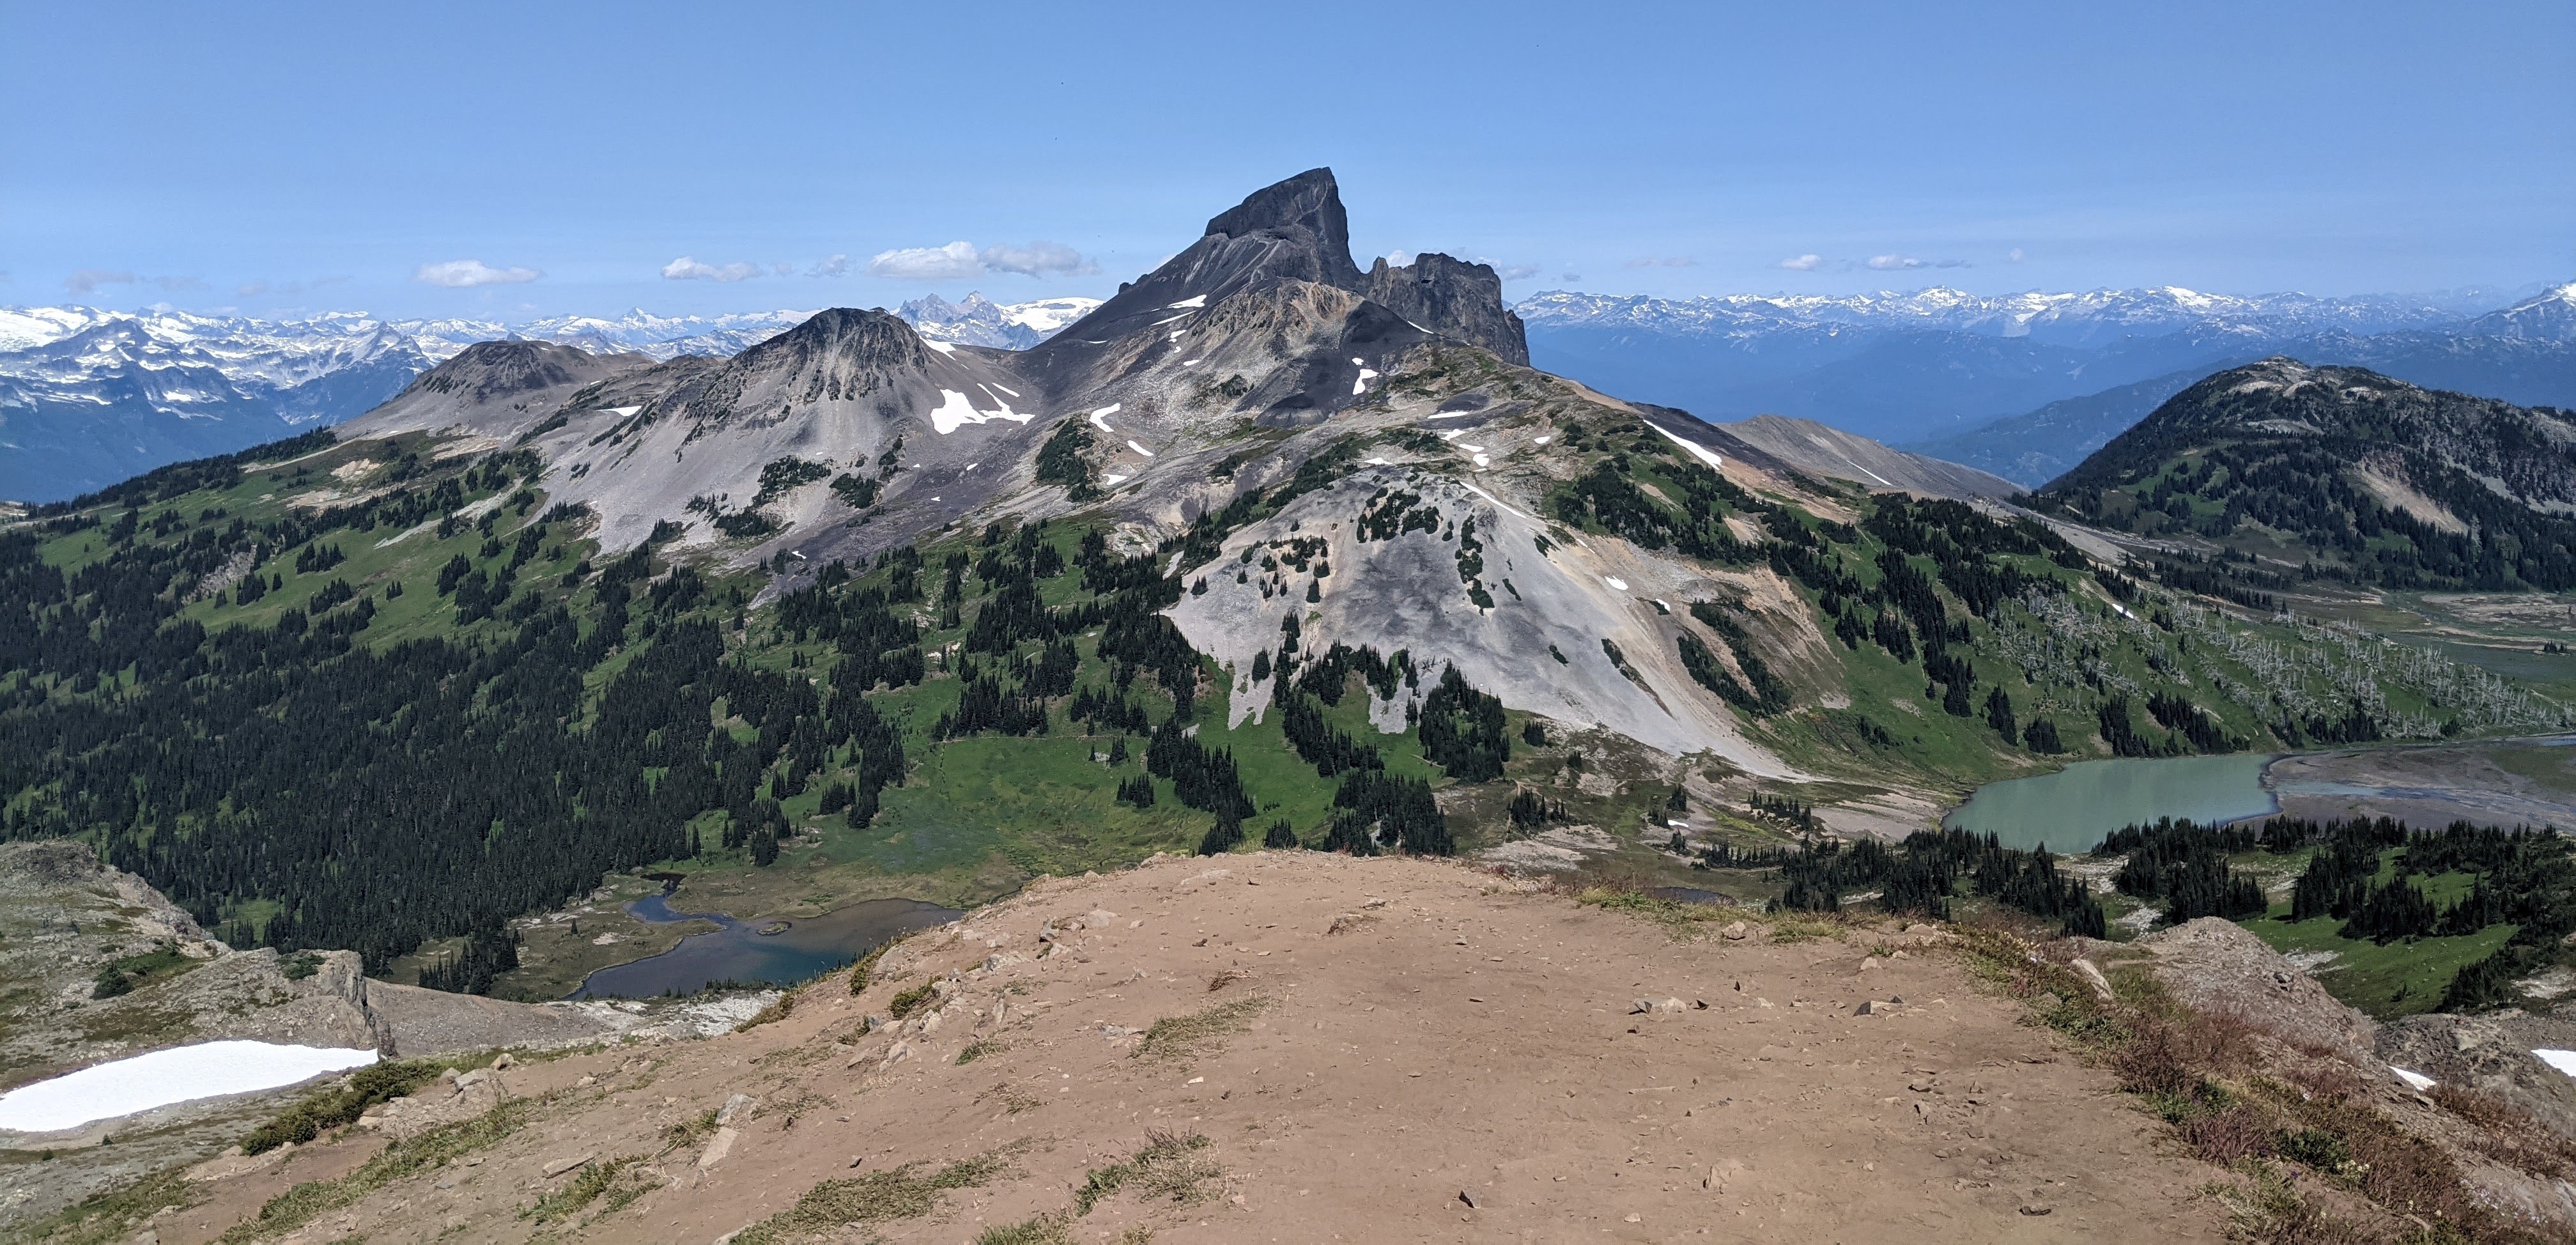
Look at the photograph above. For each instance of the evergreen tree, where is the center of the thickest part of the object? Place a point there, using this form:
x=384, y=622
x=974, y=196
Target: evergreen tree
x=1999, y=715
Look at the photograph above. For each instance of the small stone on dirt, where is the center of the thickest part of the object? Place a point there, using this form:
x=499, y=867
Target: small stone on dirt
x=560, y=1166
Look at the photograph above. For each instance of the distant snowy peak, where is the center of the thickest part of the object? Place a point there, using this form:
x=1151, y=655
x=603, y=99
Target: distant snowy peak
x=660, y=338
x=979, y=321
x=2550, y=316
x=2072, y=317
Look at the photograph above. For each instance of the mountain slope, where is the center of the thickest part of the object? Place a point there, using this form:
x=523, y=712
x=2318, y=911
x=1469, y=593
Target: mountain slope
x=2367, y=477
x=1814, y=447
x=2031, y=450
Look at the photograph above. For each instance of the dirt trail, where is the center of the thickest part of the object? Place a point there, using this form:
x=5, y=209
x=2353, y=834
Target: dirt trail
x=1455, y=1037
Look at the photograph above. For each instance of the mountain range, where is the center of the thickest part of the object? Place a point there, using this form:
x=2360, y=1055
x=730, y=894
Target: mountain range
x=2025, y=385
x=90, y=397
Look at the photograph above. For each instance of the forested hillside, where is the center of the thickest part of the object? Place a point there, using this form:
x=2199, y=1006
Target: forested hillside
x=2343, y=474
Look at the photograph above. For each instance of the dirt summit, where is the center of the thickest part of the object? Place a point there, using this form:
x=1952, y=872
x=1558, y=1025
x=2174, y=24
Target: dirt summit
x=1293, y=1047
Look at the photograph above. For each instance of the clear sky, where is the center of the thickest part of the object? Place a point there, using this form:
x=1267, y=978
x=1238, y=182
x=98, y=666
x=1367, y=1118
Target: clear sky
x=513, y=160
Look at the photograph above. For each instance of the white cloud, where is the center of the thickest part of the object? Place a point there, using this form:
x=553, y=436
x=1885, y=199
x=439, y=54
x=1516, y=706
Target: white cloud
x=961, y=261
x=458, y=274
x=687, y=269
x=1802, y=263
x=87, y=280
x=2015, y=256
x=956, y=261
x=1893, y=263
x=1516, y=272
x=1037, y=259
x=1398, y=258
x=782, y=267
x=1668, y=261
x=173, y=285
x=830, y=266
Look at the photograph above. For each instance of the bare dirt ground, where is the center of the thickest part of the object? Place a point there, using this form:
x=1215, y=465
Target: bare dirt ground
x=1372, y=1050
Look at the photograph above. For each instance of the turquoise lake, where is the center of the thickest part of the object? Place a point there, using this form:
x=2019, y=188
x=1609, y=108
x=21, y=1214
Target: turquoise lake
x=2070, y=810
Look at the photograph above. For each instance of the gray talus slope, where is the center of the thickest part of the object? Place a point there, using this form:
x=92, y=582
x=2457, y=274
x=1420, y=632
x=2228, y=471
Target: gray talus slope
x=838, y=391
x=1537, y=645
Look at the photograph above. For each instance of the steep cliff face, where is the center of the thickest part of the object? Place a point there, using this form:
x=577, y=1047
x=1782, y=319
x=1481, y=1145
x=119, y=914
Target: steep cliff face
x=1453, y=298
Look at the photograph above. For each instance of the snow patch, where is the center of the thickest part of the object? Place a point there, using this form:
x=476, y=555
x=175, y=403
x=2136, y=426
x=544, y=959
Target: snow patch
x=1193, y=301
x=2563, y=1060
x=179, y=1074
x=1190, y=362
x=955, y=412
x=946, y=348
x=1498, y=502
x=2416, y=1081
x=1360, y=386
x=1699, y=451
x=1541, y=440
x=1131, y=444
x=1100, y=418
x=1615, y=582
x=1115, y=479
x=622, y=411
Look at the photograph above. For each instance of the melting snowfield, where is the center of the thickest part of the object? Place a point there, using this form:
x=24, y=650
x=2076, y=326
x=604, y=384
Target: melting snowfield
x=180, y=1074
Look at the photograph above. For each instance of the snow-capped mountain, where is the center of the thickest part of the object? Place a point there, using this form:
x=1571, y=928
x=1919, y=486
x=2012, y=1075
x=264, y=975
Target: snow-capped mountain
x=979, y=321
x=90, y=397
x=659, y=338
x=2072, y=318
x=2548, y=316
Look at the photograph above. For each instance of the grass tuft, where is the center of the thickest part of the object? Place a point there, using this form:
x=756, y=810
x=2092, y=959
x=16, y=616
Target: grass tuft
x=1168, y=1166
x=1199, y=1034
x=896, y=1193
x=612, y=1180
x=1053, y=1228
x=314, y=1198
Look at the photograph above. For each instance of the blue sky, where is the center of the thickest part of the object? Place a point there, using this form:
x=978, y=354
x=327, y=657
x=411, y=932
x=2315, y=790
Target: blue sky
x=282, y=157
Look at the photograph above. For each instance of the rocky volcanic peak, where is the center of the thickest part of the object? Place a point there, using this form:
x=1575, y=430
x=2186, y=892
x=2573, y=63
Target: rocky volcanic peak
x=1453, y=298
x=841, y=353
x=1298, y=231
x=492, y=388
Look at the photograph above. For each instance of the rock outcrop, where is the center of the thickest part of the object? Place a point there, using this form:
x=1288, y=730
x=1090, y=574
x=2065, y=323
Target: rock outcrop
x=1452, y=297
x=2216, y=966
